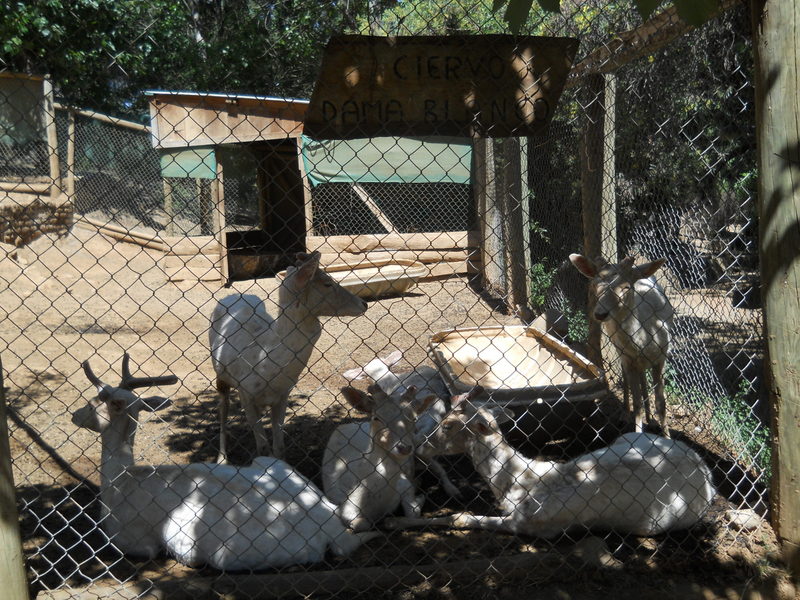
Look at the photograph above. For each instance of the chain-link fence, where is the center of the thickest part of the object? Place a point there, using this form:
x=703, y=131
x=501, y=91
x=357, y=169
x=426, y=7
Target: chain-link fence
x=650, y=154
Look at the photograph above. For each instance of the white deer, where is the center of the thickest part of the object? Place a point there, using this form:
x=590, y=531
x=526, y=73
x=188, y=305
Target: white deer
x=637, y=316
x=642, y=484
x=427, y=445
x=263, y=357
x=368, y=467
x=230, y=518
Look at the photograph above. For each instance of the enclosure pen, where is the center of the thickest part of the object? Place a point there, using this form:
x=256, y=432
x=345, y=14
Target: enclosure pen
x=518, y=287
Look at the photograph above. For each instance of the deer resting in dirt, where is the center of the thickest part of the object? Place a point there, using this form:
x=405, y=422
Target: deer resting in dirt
x=230, y=518
x=428, y=383
x=636, y=315
x=642, y=484
x=368, y=467
x=263, y=357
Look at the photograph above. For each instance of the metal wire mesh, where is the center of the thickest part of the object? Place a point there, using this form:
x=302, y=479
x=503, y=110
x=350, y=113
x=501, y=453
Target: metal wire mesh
x=680, y=166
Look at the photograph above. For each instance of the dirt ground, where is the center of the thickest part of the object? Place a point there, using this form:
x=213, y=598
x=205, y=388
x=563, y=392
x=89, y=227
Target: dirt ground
x=88, y=297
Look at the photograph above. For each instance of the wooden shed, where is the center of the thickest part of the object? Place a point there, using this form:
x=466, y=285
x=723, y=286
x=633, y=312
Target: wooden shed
x=32, y=200
x=208, y=137
x=211, y=138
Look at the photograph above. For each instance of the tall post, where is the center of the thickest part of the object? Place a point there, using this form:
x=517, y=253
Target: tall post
x=777, y=51
x=598, y=197
x=52, y=138
x=12, y=563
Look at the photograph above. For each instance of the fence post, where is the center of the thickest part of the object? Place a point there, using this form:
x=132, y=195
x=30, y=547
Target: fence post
x=12, y=563
x=777, y=50
x=598, y=197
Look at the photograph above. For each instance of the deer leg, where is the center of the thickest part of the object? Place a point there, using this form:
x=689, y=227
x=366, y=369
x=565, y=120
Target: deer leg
x=412, y=504
x=661, y=401
x=224, y=391
x=254, y=419
x=278, y=416
x=635, y=382
x=436, y=467
x=454, y=521
x=645, y=396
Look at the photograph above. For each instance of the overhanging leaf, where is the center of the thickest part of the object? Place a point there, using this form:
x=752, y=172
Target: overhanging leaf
x=696, y=12
x=646, y=7
x=517, y=13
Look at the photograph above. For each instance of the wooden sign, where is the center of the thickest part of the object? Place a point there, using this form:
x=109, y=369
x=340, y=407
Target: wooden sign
x=484, y=85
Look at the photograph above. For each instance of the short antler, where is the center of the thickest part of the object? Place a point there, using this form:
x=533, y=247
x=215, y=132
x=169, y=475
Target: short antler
x=90, y=374
x=129, y=382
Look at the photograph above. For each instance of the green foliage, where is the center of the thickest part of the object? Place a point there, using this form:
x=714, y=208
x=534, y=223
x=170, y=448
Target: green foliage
x=694, y=12
x=577, y=323
x=731, y=421
x=541, y=281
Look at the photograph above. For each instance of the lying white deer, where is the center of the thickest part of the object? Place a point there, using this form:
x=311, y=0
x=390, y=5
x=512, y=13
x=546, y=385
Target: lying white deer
x=368, y=467
x=264, y=515
x=637, y=315
x=263, y=357
x=642, y=484
x=428, y=382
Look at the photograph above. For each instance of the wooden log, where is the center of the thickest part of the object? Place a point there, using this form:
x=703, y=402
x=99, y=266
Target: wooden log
x=438, y=240
x=777, y=50
x=12, y=562
x=121, y=234
x=423, y=256
x=317, y=583
x=25, y=187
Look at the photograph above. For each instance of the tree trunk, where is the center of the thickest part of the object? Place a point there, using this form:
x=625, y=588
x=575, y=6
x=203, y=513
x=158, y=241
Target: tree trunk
x=775, y=26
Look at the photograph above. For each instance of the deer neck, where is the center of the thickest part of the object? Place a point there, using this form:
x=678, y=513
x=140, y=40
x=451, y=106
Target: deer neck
x=497, y=462
x=117, y=453
x=296, y=325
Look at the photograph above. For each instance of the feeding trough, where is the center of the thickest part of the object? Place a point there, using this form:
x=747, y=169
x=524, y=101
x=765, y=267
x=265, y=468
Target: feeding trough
x=544, y=382
x=376, y=278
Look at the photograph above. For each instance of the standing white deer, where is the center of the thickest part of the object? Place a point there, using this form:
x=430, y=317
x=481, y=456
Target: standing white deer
x=428, y=382
x=642, y=484
x=230, y=518
x=263, y=357
x=637, y=316
x=368, y=467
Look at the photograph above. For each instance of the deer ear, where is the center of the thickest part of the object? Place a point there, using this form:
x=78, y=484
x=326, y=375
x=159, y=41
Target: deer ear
x=586, y=267
x=646, y=270
x=422, y=405
x=305, y=271
x=359, y=400
x=154, y=403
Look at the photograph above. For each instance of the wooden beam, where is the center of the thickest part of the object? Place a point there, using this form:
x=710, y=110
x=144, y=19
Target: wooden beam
x=438, y=240
x=598, y=192
x=777, y=103
x=71, y=156
x=630, y=45
x=218, y=220
x=12, y=562
x=52, y=139
x=104, y=118
x=374, y=208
